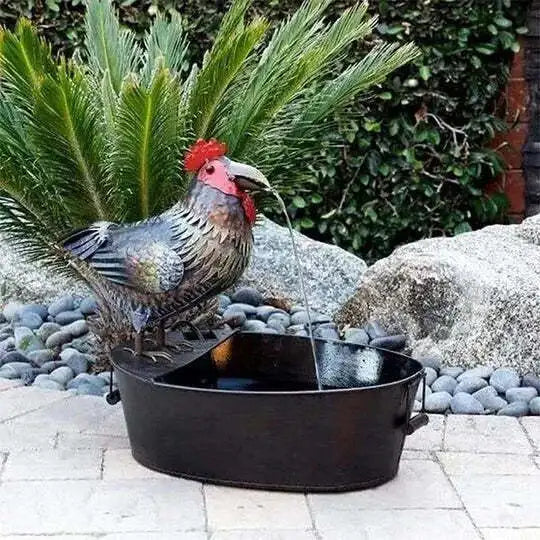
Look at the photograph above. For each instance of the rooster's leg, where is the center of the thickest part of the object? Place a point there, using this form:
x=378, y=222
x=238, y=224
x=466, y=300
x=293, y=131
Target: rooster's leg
x=160, y=341
x=138, y=344
x=191, y=326
x=161, y=335
x=153, y=355
x=183, y=345
x=139, y=341
x=141, y=353
x=139, y=319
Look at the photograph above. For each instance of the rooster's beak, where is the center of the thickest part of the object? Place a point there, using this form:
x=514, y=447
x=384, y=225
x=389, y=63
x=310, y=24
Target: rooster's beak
x=247, y=177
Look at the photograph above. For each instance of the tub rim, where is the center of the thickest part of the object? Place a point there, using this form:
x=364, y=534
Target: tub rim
x=151, y=379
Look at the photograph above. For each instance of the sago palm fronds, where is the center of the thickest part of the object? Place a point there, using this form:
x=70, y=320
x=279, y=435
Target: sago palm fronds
x=101, y=136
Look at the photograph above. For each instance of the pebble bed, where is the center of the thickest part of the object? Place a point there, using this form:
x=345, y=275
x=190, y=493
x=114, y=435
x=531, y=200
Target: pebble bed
x=50, y=346
x=479, y=390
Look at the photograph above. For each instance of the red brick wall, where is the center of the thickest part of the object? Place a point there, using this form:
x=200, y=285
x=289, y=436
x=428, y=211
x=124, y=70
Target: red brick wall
x=510, y=144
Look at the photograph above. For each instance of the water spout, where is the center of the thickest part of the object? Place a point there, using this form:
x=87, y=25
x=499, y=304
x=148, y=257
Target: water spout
x=302, y=284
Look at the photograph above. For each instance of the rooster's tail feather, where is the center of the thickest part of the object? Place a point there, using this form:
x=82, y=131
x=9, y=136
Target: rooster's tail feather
x=83, y=243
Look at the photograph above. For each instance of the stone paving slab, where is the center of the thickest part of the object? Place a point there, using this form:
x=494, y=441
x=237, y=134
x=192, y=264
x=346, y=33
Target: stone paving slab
x=15, y=438
x=264, y=535
x=98, y=506
x=66, y=473
x=53, y=465
x=429, y=437
x=78, y=414
x=119, y=465
x=231, y=508
x=419, y=484
x=486, y=434
x=417, y=454
x=21, y=400
x=112, y=424
x=190, y=535
x=53, y=537
x=75, y=441
x=464, y=464
x=193, y=535
x=532, y=430
x=511, y=534
x=7, y=384
x=501, y=500
x=402, y=525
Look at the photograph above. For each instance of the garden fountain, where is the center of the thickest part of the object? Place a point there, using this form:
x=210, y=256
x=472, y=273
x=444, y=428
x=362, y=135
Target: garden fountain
x=244, y=409
x=271, y=411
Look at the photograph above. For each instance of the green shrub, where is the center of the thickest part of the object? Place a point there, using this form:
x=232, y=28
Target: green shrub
x=418, y=156
x=415, y=160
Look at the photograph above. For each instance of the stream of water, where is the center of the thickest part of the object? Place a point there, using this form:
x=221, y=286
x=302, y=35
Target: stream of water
x=302, y=284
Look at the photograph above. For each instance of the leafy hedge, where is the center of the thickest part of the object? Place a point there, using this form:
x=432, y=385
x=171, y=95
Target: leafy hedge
x=415, y=160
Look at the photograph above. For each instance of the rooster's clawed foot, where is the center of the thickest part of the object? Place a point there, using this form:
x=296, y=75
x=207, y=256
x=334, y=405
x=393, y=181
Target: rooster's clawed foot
x=161, y=341
x=191, y=326
x=153, y=355
x=141, y=353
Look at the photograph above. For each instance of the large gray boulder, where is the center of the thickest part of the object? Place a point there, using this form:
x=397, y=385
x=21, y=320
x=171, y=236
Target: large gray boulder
x=331, y=274
x=29, y=281
x=472, y=299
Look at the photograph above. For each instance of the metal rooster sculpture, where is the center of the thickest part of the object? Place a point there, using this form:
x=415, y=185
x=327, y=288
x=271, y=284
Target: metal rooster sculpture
x=173, y=262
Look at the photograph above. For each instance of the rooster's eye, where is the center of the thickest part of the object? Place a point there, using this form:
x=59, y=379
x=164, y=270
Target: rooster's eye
x=210, y=169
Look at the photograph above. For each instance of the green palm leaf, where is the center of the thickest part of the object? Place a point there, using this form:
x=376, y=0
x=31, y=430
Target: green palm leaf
x=292, y=136
x=221, y=66
x=371, y=70
x=65, y=129
x=110, y=48
x=25, y=60
x=166, y=46
x=301, y=52
x=30, y=234
x=232, y=23
x=275, y=76
x=145, y=156
x=21, y=175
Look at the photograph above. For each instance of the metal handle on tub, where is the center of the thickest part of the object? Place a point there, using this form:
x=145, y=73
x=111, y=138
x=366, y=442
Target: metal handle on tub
x=421, y=419
x=113, y=397
x=416, y=422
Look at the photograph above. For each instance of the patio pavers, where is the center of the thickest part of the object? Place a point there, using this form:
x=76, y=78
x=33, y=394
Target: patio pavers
x=53, y=464
x=419, y=484
x=485, y=434
x=66, y=472
x=397, y=524
x=501, y=500
x=231, y=508
x=531, y=425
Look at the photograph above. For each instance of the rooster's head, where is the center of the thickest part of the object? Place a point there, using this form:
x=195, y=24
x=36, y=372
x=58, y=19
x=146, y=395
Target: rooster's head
x=208, y=161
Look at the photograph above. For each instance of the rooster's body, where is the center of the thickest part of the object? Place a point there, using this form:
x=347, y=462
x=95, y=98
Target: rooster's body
x=190, y=253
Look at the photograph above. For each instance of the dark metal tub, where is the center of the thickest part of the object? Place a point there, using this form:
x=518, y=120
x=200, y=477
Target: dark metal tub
x=277, y=431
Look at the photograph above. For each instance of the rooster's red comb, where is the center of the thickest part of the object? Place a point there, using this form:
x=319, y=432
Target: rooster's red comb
x=202, y=151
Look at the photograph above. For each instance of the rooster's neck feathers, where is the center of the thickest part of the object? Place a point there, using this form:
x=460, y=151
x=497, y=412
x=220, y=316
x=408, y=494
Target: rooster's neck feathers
x=216, y=175
x=220, y=209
